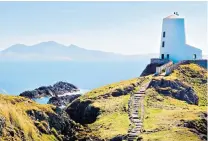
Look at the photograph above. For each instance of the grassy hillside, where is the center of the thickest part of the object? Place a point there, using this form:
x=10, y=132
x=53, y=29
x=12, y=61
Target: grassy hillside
x=103, y=112
x=24, y=120
x=112, y=102
x=18, y=124
x=166, y=118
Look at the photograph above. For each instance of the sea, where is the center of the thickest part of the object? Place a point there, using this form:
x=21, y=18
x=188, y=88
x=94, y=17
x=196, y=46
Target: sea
x=17, y=77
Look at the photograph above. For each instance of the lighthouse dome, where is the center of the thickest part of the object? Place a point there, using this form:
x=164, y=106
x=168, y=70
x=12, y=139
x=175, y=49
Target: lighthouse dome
x=173, y=16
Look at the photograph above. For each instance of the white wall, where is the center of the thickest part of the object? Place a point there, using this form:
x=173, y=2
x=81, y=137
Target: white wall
x=191, y=51
x=175, y=41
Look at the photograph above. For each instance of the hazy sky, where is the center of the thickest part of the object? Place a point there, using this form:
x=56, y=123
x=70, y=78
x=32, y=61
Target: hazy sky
x=122, y=27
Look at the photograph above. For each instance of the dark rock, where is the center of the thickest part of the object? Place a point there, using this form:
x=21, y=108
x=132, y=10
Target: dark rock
x=59, y=121
x=91, y=139
x=198, y=126
x=150, y=69
x=119, y=138
x=120, y=92
x=83, y=112
x=63, y=87
x=63, y=100
x=12, y=133
x=37, y=115
x=175, y=89
x=57, y=89
x=117, y=92
x=43, y=128
x=2, y=124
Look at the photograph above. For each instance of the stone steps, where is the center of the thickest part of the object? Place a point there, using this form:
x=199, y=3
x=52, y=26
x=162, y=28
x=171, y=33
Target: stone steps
x=134, y=105
x=133, y=134
x=135, y=131
x=137, y=120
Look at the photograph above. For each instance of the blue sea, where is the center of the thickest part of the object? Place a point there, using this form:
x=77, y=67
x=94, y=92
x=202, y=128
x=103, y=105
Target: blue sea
x=16, y=77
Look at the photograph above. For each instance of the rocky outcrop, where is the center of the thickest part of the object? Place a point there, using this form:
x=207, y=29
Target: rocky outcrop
x=2, y=124
x=119, y=138
x=119, y=92
x=63, y=100
x=198, y=126
x=83, y=112
x=175, y=89
x=59, y=120
x=57, y=89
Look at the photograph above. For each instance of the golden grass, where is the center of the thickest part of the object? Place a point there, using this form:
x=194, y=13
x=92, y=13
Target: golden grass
x=14, y=108
x=46, y=137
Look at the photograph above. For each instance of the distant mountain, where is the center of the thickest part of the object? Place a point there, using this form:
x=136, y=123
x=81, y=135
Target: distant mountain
x=54, y=51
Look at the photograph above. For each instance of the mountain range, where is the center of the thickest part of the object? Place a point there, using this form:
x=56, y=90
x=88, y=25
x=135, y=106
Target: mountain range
x=57, y=52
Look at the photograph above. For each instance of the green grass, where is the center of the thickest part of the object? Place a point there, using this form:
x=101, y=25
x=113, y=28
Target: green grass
x=194, y=76
x=111, y=125
x=95, y=93
x=113, y=119
x=112, y=104
x=174, y=134
x=164, y=115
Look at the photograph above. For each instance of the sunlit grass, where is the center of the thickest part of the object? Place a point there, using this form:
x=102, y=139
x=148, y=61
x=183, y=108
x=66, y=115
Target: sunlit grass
x=111, y=125
x=174, y=134
x=113, y=119
x=194, y=76
x=163, y=114
x=109, y=88
x=13, y=109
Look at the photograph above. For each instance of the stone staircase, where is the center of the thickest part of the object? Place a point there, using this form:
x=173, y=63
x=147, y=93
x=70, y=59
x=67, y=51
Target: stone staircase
x=136, y=113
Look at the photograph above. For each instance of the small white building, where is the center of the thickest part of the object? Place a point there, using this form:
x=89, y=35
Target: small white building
x=173, y=41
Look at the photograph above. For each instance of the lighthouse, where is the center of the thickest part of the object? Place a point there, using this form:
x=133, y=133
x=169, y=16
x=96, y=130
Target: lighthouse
x=173, y=41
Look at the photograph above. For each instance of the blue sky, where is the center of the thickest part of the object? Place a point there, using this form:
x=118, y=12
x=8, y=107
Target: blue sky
x=122, y=27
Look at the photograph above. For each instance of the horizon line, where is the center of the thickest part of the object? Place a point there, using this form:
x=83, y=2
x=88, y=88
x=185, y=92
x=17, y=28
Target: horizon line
x=64, y=45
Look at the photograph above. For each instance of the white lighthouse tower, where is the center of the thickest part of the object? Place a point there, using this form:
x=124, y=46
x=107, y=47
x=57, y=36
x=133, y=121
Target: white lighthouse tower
x=173, y=41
